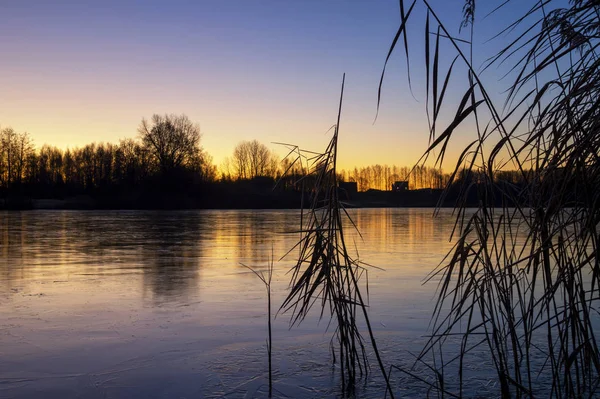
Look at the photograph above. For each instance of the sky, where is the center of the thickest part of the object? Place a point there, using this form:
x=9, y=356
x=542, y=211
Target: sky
x=76, y=72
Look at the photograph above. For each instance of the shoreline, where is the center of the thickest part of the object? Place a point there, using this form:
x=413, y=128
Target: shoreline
x=426, y=198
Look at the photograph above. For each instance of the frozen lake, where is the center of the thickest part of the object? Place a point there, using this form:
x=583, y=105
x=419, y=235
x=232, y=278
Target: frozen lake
x=144, y=304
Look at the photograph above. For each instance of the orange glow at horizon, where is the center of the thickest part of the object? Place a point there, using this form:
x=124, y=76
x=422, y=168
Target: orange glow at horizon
x=71, y=79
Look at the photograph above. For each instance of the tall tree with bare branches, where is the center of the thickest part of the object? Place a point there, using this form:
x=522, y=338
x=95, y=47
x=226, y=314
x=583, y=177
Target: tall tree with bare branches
x=173, y=140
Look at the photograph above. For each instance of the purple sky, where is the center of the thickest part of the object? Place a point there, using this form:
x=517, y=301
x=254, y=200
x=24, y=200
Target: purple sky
x=75, y=72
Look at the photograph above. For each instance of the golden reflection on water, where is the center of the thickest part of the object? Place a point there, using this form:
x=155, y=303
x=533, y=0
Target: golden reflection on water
x=165, y=255
x=412, y=227
x=143, y=288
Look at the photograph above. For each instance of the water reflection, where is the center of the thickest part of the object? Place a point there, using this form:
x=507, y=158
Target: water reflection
x=170, y=253
x=12, y=242
x=162, y=246
x=144, y=292
x=166, y=249
x=171, y=250
x=248, y=236
x=383, y=227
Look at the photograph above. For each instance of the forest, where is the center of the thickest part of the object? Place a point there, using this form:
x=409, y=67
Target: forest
x=165, y=166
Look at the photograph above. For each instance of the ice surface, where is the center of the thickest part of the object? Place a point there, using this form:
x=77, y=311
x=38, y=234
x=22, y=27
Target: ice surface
x=137, y=304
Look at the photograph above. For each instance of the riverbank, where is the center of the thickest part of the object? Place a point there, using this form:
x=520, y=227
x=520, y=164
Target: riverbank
x=221, y=200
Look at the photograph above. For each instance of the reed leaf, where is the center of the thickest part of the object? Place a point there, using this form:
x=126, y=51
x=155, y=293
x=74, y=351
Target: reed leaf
x=523, y=279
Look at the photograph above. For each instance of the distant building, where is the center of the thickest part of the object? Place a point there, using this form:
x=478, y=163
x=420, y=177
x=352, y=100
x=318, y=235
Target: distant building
x=348, y=187
x=400, y=185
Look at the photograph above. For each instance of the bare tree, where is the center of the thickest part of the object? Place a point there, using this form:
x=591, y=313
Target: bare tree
x=173, y=140
x=135, y=161
x=7, y=147
x=252, y=159
x=24, y=149
x=14, y=149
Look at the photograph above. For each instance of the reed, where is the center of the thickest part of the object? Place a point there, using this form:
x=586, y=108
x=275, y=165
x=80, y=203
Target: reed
x=325, y=272
x=522, y=282
x=266, y=280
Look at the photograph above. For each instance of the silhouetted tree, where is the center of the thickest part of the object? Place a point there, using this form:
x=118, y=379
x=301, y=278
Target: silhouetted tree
x=173, y=140
x=14, y=150
x=252, y=159
x=381, y=177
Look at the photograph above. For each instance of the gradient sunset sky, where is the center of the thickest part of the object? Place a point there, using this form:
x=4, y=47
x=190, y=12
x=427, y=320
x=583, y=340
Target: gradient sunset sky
x=75, y=72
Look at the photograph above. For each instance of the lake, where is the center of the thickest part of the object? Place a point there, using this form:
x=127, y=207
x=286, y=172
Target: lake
x=157, y=304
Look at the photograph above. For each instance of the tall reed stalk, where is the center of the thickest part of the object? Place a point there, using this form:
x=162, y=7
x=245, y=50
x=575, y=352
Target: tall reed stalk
x=325, y=272
x=266, y=280
x=519, y=291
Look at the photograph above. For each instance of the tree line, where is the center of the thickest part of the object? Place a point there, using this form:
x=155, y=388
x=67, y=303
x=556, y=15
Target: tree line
x=167, y=155
x=382, y=177
x=167, y=150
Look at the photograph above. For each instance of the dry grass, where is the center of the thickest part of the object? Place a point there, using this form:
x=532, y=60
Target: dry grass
x=325, y=273
x=523, y=279
x=266, y=280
